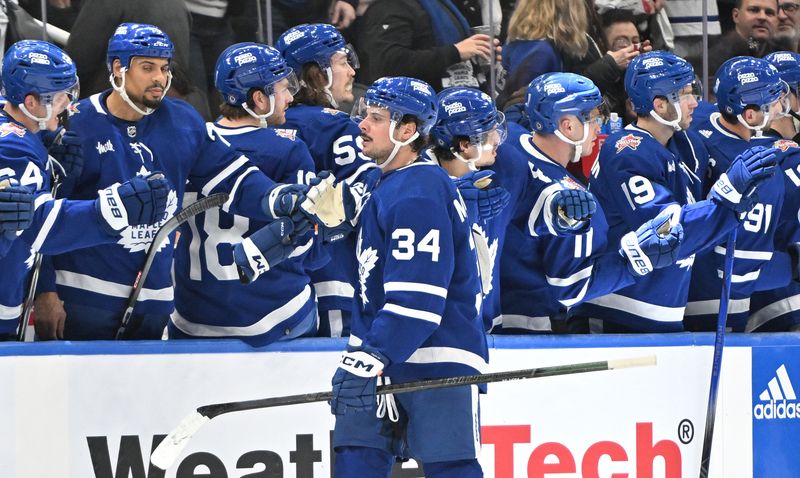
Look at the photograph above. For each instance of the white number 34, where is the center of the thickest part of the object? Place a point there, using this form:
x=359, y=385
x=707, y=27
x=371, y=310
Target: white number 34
x=405, y=249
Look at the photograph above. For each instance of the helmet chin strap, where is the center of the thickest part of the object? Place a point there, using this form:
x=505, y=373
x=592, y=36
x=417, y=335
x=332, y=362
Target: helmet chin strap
x=472, y=163
x=578, y=144
x=41, y=121
x=758, y=129
x=674, y=124
x=327, y=88
x=397, y=144
x=124, y=94
x=262, y=119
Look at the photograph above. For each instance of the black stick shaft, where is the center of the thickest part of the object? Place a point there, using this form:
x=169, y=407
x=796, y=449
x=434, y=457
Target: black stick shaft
x=215, y=410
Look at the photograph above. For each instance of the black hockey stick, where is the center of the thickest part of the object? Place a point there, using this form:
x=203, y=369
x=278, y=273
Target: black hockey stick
x=719, y=346
x=173, y=444
x=215, y=200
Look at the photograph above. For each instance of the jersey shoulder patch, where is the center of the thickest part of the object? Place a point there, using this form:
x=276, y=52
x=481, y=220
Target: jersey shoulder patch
x=785, y=144
x=332, y=111
x=12, y=128
x=290, y=134
x=630, y=140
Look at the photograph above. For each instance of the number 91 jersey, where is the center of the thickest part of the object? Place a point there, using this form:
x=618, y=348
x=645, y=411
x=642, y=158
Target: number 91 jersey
x=418, y=296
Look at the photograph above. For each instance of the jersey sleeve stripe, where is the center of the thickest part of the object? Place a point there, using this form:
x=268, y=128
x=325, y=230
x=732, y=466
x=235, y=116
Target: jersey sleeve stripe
x=228, y=171
x=543, y=200
x=574, y=278
x=577, y=298
x=41, y=199
x=413, y=313
x=333, y=288
x=433, y=355
x=232, y=195
x=539, y=324
x=113, y=289
x=773, y=310
x=262, y=326
x=738, y=279
x=744, y=254
x=707, y=307
x=654, y=312
x=47, y=225
x=10, y=313
x=415, y=287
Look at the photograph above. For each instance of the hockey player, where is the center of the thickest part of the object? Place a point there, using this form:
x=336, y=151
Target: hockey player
x=39, y=82
x=552, y=261
x=417, y=302
x=257, y=87
x=324, y=63
x=750, y=95
x=134, y=128
x=779, y=309
x=642, y=170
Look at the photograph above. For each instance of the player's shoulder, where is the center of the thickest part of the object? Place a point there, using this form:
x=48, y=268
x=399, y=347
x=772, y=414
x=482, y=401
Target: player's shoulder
x=181, y=112
x=422, y=179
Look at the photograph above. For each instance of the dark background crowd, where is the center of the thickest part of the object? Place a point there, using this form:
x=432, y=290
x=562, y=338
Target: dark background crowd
x=439, y=41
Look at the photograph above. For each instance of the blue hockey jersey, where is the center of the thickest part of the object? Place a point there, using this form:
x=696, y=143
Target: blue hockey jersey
x=542, y=273
x=58, y=225
x=174, y=140
x=209, y=299
x=418, y=295
x=779, y=309
x=755, y=236
x=634, y=179
x=335, y=144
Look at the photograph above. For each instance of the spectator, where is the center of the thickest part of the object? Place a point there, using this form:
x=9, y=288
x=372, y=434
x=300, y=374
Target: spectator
x=685, y=16
x=619, y=31
x=788, y=32
x=99, y=18
x=209, y=35
x=755, y=24
x=425, y=39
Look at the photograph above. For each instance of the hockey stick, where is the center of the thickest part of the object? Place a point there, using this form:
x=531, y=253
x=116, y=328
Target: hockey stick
x=27, y=306
x=173, y=444
x=215, y=200
x=716, y=364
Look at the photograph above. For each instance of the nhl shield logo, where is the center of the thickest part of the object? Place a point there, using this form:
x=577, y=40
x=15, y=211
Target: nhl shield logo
x=628, y=141
x=131, y=131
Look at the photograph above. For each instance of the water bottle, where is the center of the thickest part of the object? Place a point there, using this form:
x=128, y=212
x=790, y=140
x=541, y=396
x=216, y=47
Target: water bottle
x=614, y=123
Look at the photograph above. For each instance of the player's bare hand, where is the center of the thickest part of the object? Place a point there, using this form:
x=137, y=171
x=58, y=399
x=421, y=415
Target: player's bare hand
x=49, y=316
x=476, y=45
x=343, y=15
x=645, y=47
x=498, y=51
x=624, y=56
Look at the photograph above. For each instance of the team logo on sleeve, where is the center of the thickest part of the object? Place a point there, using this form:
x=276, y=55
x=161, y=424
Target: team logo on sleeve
x=331, y=111
x=367, y=258
x=11, y=128
x=628, y=141
x=290, y=134
x=785, y=144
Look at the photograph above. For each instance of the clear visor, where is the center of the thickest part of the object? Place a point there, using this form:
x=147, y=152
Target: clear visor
x=289, y=85
x=376, y=111
x=490, y=140
x=783, y=105
x=597, y=116
x=60, y=100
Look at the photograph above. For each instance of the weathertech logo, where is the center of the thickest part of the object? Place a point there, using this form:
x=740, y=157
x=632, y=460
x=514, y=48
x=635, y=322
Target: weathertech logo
x=778, y=399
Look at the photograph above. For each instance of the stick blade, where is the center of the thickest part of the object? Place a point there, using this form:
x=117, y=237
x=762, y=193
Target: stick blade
x=170, y=448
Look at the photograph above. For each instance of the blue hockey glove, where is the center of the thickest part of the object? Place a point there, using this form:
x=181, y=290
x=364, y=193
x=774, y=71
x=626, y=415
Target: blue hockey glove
x=138, y=201
x=282, y=199
x=736, y=188
x=356, y=380
x=483, y=202
x=571, y=210
x=655, y=243
x=66, y=149
x=16, y=207
x=264, y=249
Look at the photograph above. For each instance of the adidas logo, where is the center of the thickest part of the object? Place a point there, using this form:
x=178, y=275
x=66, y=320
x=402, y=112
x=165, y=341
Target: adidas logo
x=779, y=399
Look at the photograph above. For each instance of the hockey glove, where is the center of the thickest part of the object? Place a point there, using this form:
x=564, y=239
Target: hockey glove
x=331, y=203
x=356, y=380
x=141, y=200
x=736, y=188
x=264, y=249
x=483, y=202
x=572, y=210
x=655, y=243
x=66, y=149
x=16, y=208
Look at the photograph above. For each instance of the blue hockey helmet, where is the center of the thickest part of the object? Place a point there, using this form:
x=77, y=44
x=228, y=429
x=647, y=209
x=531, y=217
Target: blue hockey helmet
x=244, y=66
x=654, y=74
x=401, y=96
x=554, y=95
x=137, y=39
x=746, y=81
x=313, y=43
x=466, y=112
x=38, y=67
x=788, y=65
